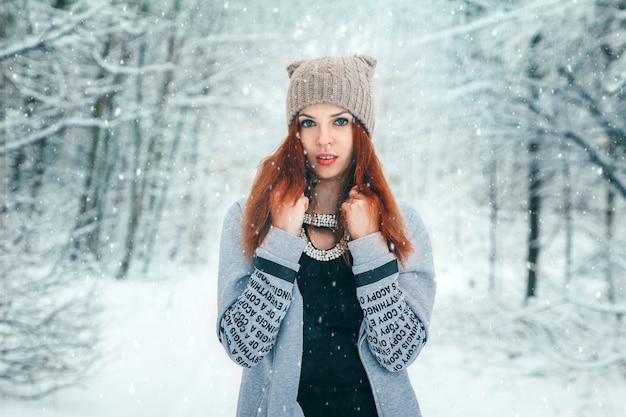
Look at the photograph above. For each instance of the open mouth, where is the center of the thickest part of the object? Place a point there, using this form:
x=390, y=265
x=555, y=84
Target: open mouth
x=325, y=159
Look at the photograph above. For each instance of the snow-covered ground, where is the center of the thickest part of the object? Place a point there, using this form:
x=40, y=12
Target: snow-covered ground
x=163, y=359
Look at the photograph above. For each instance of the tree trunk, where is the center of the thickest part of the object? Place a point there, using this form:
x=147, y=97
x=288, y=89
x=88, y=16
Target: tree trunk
x=567, y=217
x=609, y=221
x=535, y=74
x=156, y=148
x=86, y=231
x=534, y=211
x=138, y=184
x=493, y=222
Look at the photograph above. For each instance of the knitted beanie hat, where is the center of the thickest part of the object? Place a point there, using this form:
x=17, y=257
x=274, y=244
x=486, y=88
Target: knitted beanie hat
x=343, y=81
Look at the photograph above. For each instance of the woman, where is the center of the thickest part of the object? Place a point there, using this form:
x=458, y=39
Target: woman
x=326, y=285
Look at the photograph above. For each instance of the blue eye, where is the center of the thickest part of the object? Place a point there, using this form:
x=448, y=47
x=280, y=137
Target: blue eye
x=307, y=123
x=342, y=121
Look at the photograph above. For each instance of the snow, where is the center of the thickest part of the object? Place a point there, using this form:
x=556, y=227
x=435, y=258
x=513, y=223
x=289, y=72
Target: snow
x=162, y=355
x=488, y=355
x=162, y=358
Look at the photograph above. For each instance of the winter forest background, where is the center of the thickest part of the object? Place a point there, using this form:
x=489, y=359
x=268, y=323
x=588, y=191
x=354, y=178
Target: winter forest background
x=129, y=127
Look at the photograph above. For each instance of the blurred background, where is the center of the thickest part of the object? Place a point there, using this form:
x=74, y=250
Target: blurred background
x=129, y=127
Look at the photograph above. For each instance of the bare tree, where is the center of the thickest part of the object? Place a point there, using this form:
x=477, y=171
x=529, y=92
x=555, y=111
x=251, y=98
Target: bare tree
x=535, y=183
x=49, y=341
x=561, y=96
x=49, y=311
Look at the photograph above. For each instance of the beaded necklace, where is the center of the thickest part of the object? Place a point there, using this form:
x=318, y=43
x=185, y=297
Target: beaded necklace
x=328, y=221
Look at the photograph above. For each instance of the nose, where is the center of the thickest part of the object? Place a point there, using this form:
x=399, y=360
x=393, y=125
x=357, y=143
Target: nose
x=325, y=136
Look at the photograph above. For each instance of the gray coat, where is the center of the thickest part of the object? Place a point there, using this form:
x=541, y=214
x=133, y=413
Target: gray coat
x=259, y=320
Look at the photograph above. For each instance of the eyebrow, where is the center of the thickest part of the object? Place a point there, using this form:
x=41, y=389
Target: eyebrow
x=332, y=115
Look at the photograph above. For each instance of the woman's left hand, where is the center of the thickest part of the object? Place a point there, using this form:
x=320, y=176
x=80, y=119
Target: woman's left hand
x=361, y=214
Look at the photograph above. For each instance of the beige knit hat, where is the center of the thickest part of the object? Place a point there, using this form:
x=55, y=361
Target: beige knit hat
x=343, y=81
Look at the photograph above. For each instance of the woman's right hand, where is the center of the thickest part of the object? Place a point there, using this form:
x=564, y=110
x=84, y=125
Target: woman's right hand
x=286, y=215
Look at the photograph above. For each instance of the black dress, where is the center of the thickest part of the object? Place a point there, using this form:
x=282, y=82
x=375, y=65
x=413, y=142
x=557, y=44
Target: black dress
x=333, y=381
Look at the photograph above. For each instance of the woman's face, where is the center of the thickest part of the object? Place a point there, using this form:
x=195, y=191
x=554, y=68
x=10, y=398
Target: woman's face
x=326, y=134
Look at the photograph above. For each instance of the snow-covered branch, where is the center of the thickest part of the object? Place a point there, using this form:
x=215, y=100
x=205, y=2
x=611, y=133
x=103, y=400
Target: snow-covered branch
x=608, y=170
x=50, y=130
x=51, y=34
x=126, y=70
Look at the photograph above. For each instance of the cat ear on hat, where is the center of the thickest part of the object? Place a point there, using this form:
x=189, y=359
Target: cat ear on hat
x=292, y=67
x=370, y=62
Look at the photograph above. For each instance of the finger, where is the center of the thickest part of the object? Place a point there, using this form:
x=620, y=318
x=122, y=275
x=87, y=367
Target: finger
x=345, y=206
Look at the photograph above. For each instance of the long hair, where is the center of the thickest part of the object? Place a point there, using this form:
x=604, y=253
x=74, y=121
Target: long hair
x=286, y=170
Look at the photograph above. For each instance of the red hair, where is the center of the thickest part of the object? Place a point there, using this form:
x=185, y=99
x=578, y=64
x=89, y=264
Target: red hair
x=285, y=169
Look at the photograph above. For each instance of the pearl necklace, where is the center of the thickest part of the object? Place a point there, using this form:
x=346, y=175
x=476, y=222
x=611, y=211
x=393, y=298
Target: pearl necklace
x=328, y=221
x=325, y=255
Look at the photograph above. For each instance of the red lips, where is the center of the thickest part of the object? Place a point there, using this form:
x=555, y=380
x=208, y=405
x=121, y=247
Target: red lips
x=325, y=159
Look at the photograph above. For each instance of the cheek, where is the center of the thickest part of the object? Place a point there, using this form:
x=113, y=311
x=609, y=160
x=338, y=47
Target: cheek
x=306, y=142
x=308, y=154
x=345, y=140
x=310, y=159
x=347, y=147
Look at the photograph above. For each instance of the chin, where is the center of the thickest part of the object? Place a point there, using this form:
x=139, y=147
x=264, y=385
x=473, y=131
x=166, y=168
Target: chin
x=327, y=173
x=329, y=176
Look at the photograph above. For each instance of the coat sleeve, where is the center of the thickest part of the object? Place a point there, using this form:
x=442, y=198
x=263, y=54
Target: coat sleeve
x=253, y=295
x=397, y=301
